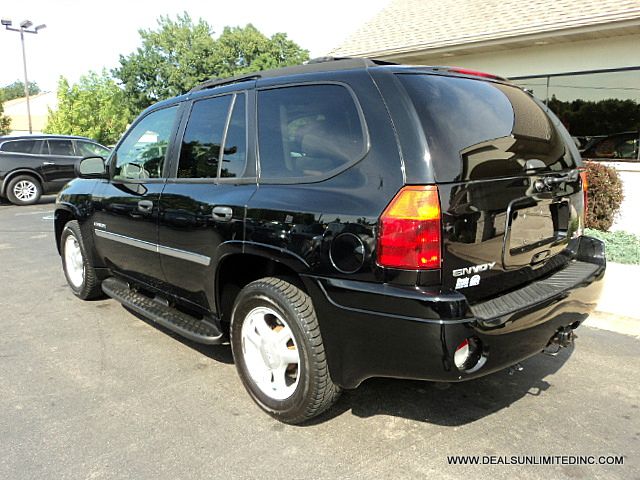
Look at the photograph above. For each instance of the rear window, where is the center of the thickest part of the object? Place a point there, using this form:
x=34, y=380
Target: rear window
x=19, y=146
x=307, y=131
x=477, y=129
x=615, y=147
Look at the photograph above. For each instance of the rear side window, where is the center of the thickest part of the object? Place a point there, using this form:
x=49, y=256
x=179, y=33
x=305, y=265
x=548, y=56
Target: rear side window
x=19, y=146
x=307, y=131
x=477, y=129
x=200, y=152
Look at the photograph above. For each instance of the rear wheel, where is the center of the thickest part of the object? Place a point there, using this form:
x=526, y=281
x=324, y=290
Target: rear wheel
x=78, y=270
x=24, y=190
x=278, y=351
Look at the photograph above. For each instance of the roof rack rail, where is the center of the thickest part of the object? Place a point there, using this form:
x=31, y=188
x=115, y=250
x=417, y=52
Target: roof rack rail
x=365, y=60
x=216, y=82
x=314, y=65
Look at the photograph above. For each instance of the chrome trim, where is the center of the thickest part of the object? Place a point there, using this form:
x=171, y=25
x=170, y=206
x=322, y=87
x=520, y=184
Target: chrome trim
x=184, y=255
x=134, y=242
x=154, y=247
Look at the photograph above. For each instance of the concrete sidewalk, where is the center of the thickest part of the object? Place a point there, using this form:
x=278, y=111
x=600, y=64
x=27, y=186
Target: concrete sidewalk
x=617, y=309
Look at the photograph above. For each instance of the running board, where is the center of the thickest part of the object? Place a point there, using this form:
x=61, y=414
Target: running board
x=192, y=328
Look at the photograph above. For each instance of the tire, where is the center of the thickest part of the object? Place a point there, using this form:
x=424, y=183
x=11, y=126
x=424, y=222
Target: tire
x=24, y=190
x=78, y=269
x=263, y=358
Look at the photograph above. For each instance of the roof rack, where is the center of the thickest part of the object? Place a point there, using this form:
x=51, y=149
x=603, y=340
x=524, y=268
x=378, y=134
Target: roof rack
x=216, y=82
x=314, y=65
x=368, y=62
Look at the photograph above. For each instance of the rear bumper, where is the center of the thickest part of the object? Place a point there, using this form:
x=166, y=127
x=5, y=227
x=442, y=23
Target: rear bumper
x=377, y=330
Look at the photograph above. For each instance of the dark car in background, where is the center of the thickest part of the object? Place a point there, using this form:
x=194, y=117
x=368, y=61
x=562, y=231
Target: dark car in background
x=36, y=165
x=616, y=147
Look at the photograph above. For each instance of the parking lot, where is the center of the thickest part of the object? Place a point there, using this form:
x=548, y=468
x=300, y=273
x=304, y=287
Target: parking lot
x=89, y=390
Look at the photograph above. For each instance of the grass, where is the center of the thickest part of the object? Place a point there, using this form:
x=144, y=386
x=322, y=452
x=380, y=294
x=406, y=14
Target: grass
x=620, y=247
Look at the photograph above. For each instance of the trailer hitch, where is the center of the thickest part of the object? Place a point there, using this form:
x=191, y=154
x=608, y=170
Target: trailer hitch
x=563, y=338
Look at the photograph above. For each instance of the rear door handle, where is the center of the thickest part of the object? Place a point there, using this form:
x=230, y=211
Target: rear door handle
x=145, y=206
x=48, y=163
x=222, y=214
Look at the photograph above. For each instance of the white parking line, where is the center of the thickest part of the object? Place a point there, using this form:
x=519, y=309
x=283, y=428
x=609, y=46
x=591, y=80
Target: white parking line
x=37, y=212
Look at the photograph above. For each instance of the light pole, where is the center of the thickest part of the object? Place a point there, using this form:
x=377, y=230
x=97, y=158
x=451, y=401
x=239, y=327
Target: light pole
x=24, y=28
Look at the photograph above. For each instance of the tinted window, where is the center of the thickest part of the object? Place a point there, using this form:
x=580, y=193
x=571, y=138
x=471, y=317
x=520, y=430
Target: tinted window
x=622, y=147
x=307, y=131
x=141, y=155
x=61, y=147
x=200, y=152
x=19, y=146
x=477, y=129
x=87, y=149
x=235, y=145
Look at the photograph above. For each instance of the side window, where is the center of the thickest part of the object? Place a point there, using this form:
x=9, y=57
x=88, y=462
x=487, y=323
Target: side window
x=307, y=131
x=61, y=147
x=627, y=149
x=235, y=145
x=606, y=148
x=200, y=151
x=141, y=155
x=88, y=149
x=41, y=147
x=19, y=146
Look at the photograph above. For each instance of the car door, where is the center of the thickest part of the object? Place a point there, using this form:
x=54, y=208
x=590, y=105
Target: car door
x=126, y=206
x=203, y=206
x=58, y=161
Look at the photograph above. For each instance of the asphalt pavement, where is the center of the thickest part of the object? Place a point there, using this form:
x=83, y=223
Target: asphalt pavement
x=90, y=391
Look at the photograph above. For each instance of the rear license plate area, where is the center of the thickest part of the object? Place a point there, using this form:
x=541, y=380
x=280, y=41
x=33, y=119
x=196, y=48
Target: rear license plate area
x=535, y=232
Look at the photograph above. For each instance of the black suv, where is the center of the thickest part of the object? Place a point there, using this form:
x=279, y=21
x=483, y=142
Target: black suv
x=35, y=165
x=342, y=220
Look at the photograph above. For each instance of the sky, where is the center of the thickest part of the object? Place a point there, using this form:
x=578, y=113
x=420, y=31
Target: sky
x=83, y=35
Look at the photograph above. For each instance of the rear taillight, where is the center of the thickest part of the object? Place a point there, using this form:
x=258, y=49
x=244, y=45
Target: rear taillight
x=409, y=233
x=585, y=185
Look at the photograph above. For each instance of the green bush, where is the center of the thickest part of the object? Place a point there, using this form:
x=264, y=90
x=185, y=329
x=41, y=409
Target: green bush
x=604, y=195
x=621, y=247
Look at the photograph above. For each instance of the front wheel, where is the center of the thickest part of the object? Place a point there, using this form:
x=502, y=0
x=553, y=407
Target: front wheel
x=278, y=351
x=78, y=270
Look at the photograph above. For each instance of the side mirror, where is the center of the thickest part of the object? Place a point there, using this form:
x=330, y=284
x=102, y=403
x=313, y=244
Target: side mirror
x=91, y=167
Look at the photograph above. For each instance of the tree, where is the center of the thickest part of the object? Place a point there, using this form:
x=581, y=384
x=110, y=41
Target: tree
x=171, y=60
x=16, y=90
x=5, y=122
x=180, y=54
x=603, y=117
x=95, y=107
x=241, y=50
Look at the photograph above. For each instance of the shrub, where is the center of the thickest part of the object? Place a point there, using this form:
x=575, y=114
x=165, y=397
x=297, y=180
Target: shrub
x=604, y=195
x=621, y=247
